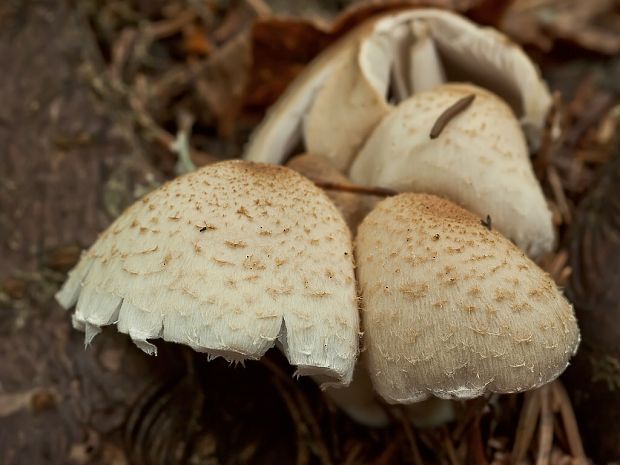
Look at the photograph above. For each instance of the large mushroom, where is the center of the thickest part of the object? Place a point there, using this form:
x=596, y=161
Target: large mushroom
x=332, y=106
x=452, y=309
x=477, y=158
x=228, y=260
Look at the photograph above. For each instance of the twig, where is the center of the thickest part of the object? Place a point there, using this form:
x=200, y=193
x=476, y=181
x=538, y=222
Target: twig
x=302, y=433
x=449, y=446
x=526, y=426
x=306, y=412
x=558, y=193
x=356, y=189
x=386, y=457
x=546, y=426
x=181, y=144
x=569, y=422
x=475, y=448
x=352, y=456
x=410, y=435
x=552, y=122
x=474, y=407
x=449, y=113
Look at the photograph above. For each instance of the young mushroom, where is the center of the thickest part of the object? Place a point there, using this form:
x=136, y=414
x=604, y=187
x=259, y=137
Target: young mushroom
x=452, y=309
x=228, y=260
x=462, y=142
x=345, y=92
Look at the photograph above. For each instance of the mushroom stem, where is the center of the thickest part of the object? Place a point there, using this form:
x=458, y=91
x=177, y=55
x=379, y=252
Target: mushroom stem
x=362, y=404
x=356, y=189
x=425, y=68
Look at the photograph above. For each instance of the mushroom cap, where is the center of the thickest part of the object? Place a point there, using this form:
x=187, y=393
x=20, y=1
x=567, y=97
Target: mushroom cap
x=479, y=160
x=349, y=104
x=228, y=260
x=317, y=168
x=452, y=309
x=467, y=53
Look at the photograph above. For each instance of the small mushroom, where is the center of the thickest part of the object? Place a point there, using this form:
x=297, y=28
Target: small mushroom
x=345, y=91
x=319, y=169
x=453, y=310
x=477, y=158
x=228, y=260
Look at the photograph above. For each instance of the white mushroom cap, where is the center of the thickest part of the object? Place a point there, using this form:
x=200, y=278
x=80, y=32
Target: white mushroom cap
x=349, y=104
x=317, y=168
x=452, y=309
x=228, y=260
x=467, y=53
x=479, y=160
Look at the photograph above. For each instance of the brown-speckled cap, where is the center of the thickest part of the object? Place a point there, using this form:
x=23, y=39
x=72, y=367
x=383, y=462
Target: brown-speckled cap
x=453, y=309
x=229, y=260
x=317, y=168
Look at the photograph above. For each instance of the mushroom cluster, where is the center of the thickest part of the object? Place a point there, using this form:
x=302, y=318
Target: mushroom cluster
x=426, y=102
x=240, y=256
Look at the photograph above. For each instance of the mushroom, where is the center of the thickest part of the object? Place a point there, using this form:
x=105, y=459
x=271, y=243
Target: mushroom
x=344, y=92
x=353, y=207
x=228, y=260
x=479, y=160
x=451, y=308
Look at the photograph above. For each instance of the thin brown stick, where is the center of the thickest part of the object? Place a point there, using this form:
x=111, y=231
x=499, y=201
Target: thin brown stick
x=552, y=121
x=411, y=437
x=473, y=410
x=302, y=433
x=303, y=408
x=558, y=193
x=449, y=113
x=449, y=446
x=526, y=426
x=475, y=447
x=569, y=422
x=546, y=427
x=356, y=189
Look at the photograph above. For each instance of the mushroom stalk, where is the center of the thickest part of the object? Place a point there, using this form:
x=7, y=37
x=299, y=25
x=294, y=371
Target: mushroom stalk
x=360, y=402
x=425, y=68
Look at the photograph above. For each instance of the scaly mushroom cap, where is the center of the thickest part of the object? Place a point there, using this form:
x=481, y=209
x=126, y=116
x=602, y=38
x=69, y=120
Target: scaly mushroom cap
x=227, y=260
x=479, y=160
x=343, y=93
x=452, y=309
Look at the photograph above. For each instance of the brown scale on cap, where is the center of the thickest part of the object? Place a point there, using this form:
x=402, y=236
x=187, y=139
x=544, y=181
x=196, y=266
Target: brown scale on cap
x=453, y=309
x=242, y=255
x=353, y=206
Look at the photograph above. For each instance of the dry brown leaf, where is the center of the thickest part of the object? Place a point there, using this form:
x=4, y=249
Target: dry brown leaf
x=196, y=41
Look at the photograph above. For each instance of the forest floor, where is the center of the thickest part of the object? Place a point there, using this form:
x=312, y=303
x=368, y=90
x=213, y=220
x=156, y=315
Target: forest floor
x=93, y=94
